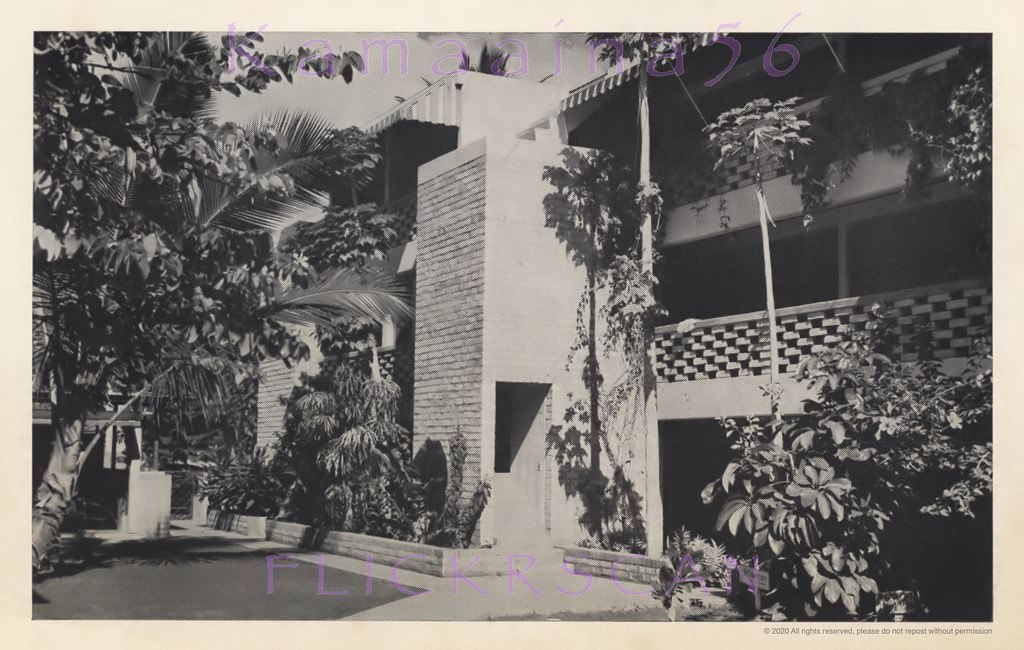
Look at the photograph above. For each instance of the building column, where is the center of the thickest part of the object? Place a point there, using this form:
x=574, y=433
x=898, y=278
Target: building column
x=843, y=261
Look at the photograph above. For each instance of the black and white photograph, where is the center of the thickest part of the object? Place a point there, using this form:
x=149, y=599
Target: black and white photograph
x=551, y=326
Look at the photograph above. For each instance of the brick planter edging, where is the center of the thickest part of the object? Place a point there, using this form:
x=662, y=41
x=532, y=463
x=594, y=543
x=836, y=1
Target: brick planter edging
x=286, y=532
x=598, y=562
x=429, y=559
x=247, y=525
x=432, y=560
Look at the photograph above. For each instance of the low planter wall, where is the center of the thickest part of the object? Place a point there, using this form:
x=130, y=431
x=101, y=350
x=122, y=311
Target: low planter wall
x=423, y=558
x=247, y=525
x=627, y=567
x=412, y=556
x=285, y=532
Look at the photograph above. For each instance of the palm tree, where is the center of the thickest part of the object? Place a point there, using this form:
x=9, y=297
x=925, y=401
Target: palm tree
x=490, y=61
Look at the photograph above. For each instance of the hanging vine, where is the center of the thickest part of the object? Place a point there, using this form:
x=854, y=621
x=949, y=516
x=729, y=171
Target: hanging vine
x=945, y=115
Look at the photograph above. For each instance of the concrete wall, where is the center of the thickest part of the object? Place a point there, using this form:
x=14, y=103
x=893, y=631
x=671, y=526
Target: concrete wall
x=492, y=104
x=497, y=296
x=149, y=503
x=877, y=173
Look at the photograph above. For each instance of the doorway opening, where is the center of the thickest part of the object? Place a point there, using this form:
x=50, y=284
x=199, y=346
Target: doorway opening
x=521, y=423
x=693, y=453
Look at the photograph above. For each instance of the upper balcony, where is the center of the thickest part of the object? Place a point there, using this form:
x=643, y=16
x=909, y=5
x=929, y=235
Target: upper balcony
x=702, y=201
x=955, y=314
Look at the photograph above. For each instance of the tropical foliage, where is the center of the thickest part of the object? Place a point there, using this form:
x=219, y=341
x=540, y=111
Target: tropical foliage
x=942, y=116
x=344, y=454
x=765, y=132
x=243, y=485
x=154, y=273
x=706, y=561
x=455, y=524
x=347, y=465
x=491, y=60
x=815, y=497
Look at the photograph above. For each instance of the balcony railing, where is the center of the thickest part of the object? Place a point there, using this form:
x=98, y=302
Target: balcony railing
x=737, y=171
x=956, y=315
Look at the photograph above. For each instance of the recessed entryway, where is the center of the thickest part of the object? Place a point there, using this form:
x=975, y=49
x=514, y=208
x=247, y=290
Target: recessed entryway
x=520, y=427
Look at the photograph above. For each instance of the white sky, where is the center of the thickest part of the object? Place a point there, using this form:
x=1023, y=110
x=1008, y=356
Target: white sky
x=359, y=102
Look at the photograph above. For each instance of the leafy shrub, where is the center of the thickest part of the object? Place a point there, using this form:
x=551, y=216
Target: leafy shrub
x=707, y=562
x=814, y=495
x=451, y=521
x=347, y=464
x=343, y=454
x=243, y=486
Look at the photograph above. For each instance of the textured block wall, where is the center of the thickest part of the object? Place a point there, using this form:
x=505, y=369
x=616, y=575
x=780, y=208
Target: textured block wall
x=736, y=346
x=276, y=381
x=450, y=304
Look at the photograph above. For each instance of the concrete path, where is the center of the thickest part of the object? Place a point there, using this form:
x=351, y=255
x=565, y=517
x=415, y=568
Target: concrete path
x=206, y=574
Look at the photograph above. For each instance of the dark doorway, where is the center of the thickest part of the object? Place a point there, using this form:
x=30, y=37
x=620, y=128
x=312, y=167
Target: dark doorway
x=693, y=453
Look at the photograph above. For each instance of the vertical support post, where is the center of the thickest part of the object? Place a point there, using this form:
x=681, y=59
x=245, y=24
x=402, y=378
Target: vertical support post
x=388, y=154
x=653, y=514
x=843, y=260
x=458, y=112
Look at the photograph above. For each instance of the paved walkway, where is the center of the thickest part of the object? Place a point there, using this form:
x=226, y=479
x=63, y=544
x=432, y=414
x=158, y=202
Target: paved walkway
x=199, y=573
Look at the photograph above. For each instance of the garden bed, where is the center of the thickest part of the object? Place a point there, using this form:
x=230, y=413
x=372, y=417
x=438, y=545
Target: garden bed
x=421, y=558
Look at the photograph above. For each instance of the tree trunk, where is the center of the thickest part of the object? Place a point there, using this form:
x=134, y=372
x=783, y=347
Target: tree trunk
x=773, y=327
x=57, y=486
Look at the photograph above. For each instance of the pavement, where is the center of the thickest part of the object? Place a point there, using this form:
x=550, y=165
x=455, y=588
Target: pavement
x=200, y=573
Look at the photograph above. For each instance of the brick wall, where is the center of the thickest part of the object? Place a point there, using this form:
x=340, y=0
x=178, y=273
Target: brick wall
x=276, y=381
x=449, y=299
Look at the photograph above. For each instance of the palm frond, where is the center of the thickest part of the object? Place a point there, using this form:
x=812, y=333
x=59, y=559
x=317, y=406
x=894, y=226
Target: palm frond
x=346, y=293
x=306, y=141
x=195, y=381
x=217, y=205
x=309, y=152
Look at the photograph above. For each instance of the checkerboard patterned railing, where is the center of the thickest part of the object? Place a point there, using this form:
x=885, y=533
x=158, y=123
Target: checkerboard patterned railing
x=395, y=363
x=734, y=173
x=734, y=346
